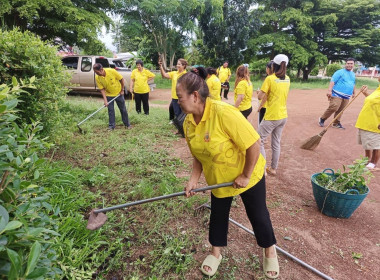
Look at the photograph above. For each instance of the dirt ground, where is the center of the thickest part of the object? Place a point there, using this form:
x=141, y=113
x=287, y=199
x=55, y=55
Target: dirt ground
x=327, y=244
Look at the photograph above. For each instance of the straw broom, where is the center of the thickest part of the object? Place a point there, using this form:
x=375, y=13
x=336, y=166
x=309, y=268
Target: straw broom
x=313, y=142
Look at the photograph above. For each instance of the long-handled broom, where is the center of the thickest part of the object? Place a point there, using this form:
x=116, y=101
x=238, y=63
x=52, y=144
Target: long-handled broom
x=98, y=218
x=313, y=142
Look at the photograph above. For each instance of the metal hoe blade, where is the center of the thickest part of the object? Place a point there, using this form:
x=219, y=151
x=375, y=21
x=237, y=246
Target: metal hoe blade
x=96, y=220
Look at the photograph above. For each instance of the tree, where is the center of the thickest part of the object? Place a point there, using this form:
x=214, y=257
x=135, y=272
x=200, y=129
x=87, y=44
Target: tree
x=286, y=27
x=355, y=32
x=167, y=23
x=225, y=27
x=74, y=22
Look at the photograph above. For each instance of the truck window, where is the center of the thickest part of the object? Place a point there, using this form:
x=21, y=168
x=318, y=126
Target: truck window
x=70, y=62
x=103, y=61
x=86, y=64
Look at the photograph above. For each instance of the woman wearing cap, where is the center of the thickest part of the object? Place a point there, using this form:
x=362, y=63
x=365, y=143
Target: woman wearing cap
x=139, y=86
x=174, y=75
x=276, y=89
x=221, y=139
x=243, y=91
x=213, y=83
x=261, y=95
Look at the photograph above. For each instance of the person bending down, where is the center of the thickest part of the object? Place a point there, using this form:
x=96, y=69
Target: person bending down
x=220, y=139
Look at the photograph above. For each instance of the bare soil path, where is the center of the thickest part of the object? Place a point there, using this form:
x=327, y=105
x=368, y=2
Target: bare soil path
x=328, y=244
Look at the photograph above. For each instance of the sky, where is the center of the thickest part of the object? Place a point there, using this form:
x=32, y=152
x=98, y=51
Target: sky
x=106, y=37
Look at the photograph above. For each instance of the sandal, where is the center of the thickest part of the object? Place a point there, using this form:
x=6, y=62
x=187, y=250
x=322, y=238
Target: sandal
x=271, y=171
x=270, y=264
x=212, y=262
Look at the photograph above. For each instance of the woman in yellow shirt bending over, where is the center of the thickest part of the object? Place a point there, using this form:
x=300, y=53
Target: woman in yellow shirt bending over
x=213, y=84
x=243, y=91
x=226, y=148
x=139, y=86
x=276, y=89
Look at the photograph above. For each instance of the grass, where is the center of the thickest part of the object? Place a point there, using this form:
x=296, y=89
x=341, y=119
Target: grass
x=109, y=168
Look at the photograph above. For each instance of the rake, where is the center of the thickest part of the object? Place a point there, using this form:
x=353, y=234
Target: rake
x=89, y=116
x=98, y=218
x=313, y=142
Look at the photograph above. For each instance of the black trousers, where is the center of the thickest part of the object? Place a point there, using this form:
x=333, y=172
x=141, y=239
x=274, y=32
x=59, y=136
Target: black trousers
x=257, y=212
x=247, y=112
x=144, y=98
x=226, y=90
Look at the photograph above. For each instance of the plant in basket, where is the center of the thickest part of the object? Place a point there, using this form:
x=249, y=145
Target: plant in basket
x=339, y=193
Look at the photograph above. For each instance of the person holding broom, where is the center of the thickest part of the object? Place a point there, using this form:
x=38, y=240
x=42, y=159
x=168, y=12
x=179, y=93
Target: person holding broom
x=341, y=89
x=276, y=89
x=368, y=123
x=220, y=140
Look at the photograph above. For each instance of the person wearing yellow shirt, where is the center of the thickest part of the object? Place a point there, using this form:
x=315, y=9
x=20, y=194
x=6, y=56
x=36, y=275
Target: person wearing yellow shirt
x=368, y=123
x=225, y=147
x=139, y=86
x=213, y=83
x=111, y=84
x=276, y=89
x=224, y=75
x=263, y=106
x=174, y=75
x=243, y=91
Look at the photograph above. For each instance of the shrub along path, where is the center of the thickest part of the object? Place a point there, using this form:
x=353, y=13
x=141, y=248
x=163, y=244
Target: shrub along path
x=164, y=240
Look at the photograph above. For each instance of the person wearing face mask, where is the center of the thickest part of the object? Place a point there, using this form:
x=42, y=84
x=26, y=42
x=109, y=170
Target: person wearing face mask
x=139, y=86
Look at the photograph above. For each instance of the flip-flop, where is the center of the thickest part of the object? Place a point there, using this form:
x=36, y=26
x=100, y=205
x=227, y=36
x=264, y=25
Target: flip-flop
x=213, y=263
x=270, y=264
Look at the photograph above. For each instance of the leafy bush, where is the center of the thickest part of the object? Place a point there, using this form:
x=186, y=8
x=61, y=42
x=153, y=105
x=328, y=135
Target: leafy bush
x=332, y=68
x=315, y=71
x=24, y=55
x=26, y=229
x=355, y=178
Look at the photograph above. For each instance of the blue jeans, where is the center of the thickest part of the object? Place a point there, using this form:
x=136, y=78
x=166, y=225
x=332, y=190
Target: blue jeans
x=176, y=108
x=111, y=111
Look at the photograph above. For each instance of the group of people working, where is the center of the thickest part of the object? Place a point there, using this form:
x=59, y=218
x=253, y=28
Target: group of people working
x=226, y=147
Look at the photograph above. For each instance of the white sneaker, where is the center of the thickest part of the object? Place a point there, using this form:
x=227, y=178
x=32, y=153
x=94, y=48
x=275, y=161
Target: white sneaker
x=370, y=166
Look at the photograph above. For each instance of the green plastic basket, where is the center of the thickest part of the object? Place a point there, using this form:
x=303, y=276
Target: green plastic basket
x=334, y=204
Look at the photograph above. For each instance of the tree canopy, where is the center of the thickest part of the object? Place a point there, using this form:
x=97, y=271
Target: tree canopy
x=72, y=22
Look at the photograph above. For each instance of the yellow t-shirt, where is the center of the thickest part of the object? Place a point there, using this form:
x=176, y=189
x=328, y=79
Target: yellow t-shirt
x=214, y=85
x=174, y=75
x=244, y=88
x=110, y=83
x=223, y=73
x=141, y=80
x=369, y=116
x=277, y=91
x=219, y=142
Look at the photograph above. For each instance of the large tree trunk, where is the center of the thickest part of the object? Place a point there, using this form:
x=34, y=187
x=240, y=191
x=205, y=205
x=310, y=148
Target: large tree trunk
x=172, y=60
x=298, y=73
x=306, y=72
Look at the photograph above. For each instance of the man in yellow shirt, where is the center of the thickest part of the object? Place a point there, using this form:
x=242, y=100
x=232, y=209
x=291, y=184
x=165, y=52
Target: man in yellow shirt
x=139, y=86
x=213, y=83
x=224, y=75
x=368, y=124
x=111, y=84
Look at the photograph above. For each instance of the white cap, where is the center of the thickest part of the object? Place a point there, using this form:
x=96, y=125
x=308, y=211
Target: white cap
x=280, y=58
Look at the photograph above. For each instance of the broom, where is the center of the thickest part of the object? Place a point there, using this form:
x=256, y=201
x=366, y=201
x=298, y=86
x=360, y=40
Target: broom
x=313, y=142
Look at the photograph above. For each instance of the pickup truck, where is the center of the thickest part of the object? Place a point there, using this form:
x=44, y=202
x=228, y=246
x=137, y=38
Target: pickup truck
x=83, y=76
